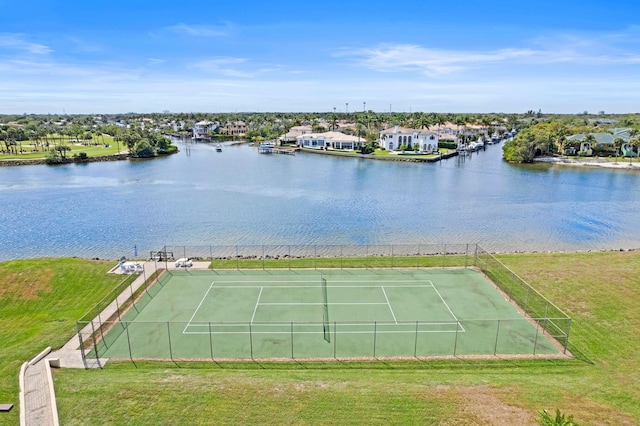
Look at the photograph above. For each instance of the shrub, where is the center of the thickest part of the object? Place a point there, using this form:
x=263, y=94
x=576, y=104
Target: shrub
x=559, y=419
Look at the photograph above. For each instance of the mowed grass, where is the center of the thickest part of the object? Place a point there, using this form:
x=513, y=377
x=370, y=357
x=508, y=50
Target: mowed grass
x=40, y=301
x=93, y=148
x=600, y=291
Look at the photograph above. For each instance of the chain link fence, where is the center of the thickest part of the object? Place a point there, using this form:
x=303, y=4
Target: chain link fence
x=119, y=335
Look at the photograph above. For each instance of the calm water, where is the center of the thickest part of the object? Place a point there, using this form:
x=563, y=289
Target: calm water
x=203, y=197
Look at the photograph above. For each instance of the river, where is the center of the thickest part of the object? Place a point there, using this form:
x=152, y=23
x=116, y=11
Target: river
x=238, y=196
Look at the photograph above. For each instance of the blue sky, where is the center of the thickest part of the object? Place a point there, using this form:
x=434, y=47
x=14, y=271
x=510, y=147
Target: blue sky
x=211, y=56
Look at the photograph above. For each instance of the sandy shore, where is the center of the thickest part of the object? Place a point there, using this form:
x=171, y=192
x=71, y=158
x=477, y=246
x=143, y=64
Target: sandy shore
x=622, y=163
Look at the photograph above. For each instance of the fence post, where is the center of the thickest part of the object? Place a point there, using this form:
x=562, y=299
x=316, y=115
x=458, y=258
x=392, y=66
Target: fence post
x=128, y=341
x=335, y=333
x=237, y=265
x=169, y=335
x=415, y=343
x=466, y=255
x=95, y=343
x=444, y=254
x=315, y=256
x=211, y=253
x=392, y=257
x=341, y=258
x=535, y=341
x=375, y=334
x=566, y=339
x=292, y=357
x=495, y=346
x=289, y=250
x=366, y=257
x=251, y=342
x=81, y=340
x=262, y=256
x=210, y=341
x=455, y=343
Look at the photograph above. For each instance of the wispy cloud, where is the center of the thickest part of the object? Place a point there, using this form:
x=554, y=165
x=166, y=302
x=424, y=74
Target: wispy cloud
x=202, y=30
x=561, y=48
x=18, y=42
x=228, y=66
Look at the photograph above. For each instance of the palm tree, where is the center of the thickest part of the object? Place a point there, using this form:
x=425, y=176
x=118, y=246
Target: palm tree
x=617, y=144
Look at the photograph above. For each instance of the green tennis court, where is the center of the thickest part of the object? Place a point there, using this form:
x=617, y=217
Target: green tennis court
x=310, y=314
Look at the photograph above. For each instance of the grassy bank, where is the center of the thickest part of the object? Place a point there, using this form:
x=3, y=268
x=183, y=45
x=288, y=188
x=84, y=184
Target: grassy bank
x=601, y=386
x=40, y=301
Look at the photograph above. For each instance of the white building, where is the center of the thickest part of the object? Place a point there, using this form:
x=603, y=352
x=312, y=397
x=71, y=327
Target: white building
x=393, y=138
x=332, y=140
x=294, y=132
x=202, y=128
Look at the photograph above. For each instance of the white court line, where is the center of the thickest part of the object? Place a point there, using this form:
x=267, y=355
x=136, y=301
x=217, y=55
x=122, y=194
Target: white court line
x=316, y=286
x=389, y=304
x=448, y=308
x=253, y=332
x=321, y=303
x=354, y=324
x=199, y=304
x=256, y=307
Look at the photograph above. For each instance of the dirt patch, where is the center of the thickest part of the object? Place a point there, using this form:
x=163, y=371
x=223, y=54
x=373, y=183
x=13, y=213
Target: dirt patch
x=482, y=405
x=26, y=285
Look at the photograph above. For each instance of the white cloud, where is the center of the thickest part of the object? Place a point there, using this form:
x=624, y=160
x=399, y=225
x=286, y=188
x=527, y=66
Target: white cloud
x=202, y=30
x=602, y=49
x=18, y=42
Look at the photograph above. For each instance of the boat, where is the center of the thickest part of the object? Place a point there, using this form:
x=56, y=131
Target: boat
x=218, y=147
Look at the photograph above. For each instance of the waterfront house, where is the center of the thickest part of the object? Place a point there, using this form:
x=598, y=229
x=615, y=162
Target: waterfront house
x=330, y=140
x=294, y=132
x=402, y=138
x=600, y=142
x=202, y=128
x=235, y=128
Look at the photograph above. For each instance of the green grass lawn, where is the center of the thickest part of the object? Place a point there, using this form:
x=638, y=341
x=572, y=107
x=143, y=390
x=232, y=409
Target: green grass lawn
x=600, y=291
x=40, y=301
x=94, y=148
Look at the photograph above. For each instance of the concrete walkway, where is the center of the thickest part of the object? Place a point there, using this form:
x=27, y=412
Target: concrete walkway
x=39, y=408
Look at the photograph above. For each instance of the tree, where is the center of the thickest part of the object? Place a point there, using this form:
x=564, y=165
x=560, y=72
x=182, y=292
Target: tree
x=617, y=145
x=143, y=149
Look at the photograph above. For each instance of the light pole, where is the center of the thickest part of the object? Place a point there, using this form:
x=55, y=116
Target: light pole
x=334, y=119
x=347, y=107
x=364, y=107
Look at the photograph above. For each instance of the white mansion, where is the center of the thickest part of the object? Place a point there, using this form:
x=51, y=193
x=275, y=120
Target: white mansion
x=394, y=138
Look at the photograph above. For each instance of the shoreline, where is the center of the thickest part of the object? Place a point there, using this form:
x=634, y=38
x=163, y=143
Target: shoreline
x=623, y=164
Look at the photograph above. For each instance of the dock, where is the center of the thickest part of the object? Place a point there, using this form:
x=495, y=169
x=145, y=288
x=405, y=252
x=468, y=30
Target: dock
x=272, y=149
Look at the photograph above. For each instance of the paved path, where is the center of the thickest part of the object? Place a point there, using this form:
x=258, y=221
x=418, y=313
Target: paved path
x=37, y=399
x=38, y=406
